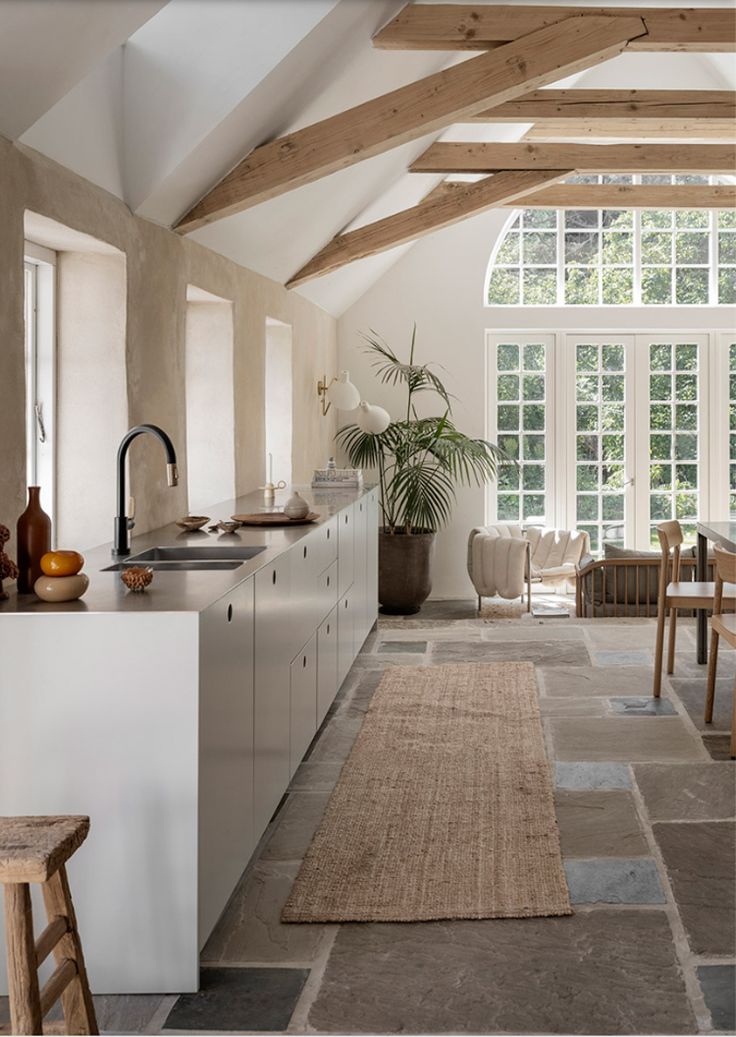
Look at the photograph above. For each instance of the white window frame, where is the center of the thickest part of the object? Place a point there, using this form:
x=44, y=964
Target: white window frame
x=40, y=310
x=713, y=430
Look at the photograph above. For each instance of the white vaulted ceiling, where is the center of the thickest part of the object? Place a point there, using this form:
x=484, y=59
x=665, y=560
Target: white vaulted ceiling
x=157, y=101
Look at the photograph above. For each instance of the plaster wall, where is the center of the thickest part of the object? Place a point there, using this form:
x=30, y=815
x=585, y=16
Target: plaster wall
x=440, y=285
x=159, y=265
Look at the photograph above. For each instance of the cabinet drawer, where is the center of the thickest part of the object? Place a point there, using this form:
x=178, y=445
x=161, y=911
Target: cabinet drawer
x=326, y=664
x=326, y=597
x=345, y=548
x=322, y=545
x=303, y=703
x=345, y=636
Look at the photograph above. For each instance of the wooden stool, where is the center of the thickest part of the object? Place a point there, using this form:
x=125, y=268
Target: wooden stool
x=35, y=849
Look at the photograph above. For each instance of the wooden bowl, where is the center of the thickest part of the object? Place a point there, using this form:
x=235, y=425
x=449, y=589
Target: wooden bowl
x=193, y=522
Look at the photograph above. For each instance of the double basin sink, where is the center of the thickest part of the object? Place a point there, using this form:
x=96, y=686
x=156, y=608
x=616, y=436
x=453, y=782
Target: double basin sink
x=187, y=559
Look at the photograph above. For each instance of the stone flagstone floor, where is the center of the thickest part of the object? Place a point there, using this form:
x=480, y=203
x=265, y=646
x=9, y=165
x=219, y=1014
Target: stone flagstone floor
x=646, y=804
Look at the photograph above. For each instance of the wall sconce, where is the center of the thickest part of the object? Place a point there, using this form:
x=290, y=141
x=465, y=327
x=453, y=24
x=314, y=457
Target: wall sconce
x=339, y=391
x=372, y=418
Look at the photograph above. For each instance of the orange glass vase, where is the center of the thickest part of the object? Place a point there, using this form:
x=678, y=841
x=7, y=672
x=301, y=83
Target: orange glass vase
x=33, y=539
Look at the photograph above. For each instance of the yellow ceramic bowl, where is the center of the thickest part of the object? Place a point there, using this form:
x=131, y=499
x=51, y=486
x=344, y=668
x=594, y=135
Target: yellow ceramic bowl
x=61, y=563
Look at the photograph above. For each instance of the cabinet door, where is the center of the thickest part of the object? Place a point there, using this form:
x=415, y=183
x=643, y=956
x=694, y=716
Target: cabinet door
x=345, y=635
x=226, y=830
x=371, y=559
x=345, y=549
x=326, y=664
x=303, y=710
x=359, y=570
x=271, y=738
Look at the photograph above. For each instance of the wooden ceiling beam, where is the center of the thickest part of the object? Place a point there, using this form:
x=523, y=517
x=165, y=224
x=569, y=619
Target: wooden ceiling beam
x=638, y=106
x=630, y=129
x=412, y=111
x=621, y=196
x=438, y=209
x=482, y=27
x=450, y=157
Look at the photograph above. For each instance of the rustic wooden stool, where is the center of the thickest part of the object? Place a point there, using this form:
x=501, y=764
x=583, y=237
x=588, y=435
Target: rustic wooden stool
x=35, y=849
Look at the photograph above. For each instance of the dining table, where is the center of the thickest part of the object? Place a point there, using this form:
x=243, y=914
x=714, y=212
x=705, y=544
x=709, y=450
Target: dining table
x=723, y=533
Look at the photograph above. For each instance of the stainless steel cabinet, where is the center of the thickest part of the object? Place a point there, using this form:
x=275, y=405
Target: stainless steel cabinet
x=345, y=549
x=326, y=664
x=273, y=626
x=303, y=706
x=226, y=823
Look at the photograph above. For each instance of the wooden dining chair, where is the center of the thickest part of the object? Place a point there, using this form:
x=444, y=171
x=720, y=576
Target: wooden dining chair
x=721, y=627
x=675, y=594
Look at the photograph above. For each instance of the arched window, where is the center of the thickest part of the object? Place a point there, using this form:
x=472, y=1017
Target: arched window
x=616, y=257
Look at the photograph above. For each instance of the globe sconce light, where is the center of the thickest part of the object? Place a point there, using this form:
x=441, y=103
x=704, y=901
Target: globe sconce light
x=339, y=391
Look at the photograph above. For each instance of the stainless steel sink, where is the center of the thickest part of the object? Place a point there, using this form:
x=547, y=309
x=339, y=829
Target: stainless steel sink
x=189, y=559
x=172, y=566
x=215, y=552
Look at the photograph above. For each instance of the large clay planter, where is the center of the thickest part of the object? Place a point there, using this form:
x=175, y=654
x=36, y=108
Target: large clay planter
x=404, y=571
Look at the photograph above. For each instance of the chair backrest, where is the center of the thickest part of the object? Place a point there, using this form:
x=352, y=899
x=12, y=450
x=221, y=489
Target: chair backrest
x=556, y=547
x=725, y=566
x=670, y=541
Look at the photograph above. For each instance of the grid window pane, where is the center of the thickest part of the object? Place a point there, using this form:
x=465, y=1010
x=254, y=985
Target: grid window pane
x=673, y=423
x=600, y=445
x=521, y=422
x=732, y=424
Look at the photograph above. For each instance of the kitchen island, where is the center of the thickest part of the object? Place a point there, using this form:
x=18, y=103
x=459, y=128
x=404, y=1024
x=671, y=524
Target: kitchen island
x=175, y=718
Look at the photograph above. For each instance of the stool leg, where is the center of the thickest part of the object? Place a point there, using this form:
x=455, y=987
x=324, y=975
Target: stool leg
x=76, y=1001
x=25, y=1000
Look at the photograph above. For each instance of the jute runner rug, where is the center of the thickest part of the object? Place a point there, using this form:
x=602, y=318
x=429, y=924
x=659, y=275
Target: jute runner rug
x=444, y=808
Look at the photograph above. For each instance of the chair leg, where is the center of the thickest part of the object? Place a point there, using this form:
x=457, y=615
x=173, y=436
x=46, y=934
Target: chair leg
x=25, y=998
x=480, y=603
x=659, y=648
x=712, y=668
x=76, y=1001
x=672, y=639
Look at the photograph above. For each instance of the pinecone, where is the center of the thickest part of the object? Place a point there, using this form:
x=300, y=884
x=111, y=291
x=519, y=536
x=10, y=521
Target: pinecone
x=137, y=577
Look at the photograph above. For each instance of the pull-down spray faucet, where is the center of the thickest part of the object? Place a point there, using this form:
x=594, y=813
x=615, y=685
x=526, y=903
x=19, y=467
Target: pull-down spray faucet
x=123, y=523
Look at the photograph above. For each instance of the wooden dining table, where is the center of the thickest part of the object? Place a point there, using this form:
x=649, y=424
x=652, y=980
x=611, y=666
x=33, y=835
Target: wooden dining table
x=723, y=533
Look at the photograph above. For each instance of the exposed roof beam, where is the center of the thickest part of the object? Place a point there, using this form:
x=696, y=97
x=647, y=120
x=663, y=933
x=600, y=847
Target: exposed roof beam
x=638, y=106
x=438, y=209
x=412, y=111
x=630, y=129
x=449, y=157
x=481, y=26
x=621, y=196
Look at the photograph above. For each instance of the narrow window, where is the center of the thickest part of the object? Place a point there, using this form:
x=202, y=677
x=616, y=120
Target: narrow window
x=40, y=363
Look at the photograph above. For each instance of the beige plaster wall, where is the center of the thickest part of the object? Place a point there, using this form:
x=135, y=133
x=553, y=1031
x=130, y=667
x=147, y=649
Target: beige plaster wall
x=159, y=265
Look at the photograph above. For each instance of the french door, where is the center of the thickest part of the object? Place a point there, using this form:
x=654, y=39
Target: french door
x=612, y=433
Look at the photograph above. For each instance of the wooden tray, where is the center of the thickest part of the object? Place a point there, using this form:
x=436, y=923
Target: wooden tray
x=273, y=518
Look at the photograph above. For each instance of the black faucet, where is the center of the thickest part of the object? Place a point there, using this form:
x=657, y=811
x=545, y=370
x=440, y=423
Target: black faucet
x=124, y=524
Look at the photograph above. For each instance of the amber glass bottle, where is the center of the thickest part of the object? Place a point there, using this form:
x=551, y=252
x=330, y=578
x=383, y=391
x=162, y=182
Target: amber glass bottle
x=33, y=539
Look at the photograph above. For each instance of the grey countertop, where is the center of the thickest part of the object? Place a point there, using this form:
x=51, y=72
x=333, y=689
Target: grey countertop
x=188, y=591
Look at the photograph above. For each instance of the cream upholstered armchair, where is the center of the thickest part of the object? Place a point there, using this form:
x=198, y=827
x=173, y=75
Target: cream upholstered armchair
x=504, y=557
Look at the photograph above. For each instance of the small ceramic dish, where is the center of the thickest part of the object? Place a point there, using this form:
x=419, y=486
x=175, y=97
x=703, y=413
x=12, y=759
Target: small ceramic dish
x=193, y=522
x=226, y=526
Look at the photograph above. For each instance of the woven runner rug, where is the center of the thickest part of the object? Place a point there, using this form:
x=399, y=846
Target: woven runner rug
x=444, y=808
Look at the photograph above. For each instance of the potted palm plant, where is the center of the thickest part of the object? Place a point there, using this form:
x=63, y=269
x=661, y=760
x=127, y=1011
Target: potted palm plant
x=419, y=462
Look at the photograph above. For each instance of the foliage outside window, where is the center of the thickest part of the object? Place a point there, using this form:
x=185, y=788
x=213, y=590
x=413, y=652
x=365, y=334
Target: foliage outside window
x=521, y=431
x=732, y=430
x=617, y=257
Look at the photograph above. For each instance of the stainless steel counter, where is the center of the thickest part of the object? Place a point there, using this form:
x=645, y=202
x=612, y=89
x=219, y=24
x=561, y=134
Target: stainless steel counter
x=190, y=591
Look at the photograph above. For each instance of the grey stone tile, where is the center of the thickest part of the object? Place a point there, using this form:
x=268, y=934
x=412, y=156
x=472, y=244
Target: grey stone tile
x=700, y=858
x=687, y=791
x=128, y=1013
x=642, y=707
x=556, y=706
x=592, y=776
x=251, y=930
x=599, y=824
x=380, y=660
x=239, y=1000
x=541, y=653
x=295, y=826
x=605, y=635
x=614, y=881
x=450, y=608
x=315, y=777
x=615, y=739
x=692, y=690
x=601, y=972
x=718, y=746
x=336, y=741
x=587, y=681
x=633, y=657
x=718, y=983
x=687, y=665
x=359, y=698
x=533, y=630
x=403, y=646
